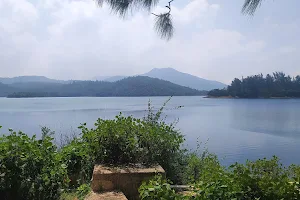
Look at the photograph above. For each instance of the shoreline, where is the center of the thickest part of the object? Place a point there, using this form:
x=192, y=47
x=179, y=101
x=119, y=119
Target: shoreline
x=102, y=96
x=230, y=97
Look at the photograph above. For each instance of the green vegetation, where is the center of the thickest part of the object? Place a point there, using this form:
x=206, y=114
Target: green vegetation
x=157, y=188
x=132, y=86
x=261, y=179
x=32, y=168
x=258, y=86
x=82, y=191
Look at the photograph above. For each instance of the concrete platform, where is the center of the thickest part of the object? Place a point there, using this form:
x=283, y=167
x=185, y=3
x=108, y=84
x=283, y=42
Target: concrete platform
x=127, y=179
x=106, y=196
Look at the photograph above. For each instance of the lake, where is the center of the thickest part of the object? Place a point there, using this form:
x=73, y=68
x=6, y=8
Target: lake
x=234, y=129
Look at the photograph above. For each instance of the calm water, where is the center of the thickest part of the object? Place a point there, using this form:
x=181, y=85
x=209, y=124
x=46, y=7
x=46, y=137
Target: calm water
x=235, y=129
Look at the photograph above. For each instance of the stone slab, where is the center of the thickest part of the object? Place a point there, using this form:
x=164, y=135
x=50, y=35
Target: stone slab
x=125, y=179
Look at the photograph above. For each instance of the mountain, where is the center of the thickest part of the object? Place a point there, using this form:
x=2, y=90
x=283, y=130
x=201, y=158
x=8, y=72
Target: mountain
x=131, y=86
x=184, y=79
x=27, y=79
x=167, y=74
x=115, y=78
x=174, y=76
x=146, y=86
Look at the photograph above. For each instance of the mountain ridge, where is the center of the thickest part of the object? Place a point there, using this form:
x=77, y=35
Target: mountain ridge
x=167, y=74
x=177, y=77
x=131, y=86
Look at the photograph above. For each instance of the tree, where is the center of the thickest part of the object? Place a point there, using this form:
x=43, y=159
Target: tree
x=235, y=89
x=163, y=21
x=258, y=86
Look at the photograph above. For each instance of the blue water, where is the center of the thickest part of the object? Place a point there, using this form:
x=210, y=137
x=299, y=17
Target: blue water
x=234, y=129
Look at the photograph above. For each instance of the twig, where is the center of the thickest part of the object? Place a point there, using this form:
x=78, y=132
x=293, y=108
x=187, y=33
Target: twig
x=168, y=6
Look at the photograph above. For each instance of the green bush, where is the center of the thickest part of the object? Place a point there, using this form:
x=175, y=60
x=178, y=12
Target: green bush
x=266, y=179
x=30, y=168
x=262, y=179
x=77, y=157
x=201, y=167
x=127, y=140
x=157, y=188
x=82, y=191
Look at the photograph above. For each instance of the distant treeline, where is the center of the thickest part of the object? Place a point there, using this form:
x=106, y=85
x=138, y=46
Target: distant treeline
x=132, y=86
x=258, y=86
x=32, y=94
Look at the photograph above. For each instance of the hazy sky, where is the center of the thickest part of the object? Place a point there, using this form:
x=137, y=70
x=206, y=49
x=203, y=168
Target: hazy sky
x=75, y=39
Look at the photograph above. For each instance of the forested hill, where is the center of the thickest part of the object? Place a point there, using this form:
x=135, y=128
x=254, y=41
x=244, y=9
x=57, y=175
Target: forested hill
x=132, y=86
x=259, y=86
x=5, y=90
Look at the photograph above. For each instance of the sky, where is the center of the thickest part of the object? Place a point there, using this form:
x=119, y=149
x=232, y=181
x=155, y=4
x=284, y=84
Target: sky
x=76, y=39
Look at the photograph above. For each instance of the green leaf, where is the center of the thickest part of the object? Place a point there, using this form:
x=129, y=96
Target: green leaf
x=64, y=166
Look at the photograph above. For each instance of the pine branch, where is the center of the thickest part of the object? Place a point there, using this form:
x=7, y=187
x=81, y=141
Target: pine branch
x=250, y=6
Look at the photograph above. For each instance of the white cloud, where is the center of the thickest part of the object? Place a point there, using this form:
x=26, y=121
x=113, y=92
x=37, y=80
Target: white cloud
x=16, y=15
x=77, y=40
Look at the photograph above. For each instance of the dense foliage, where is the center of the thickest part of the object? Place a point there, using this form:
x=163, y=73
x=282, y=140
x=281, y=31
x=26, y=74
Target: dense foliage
x=79, y=162
x=261, y=179
x=157, y=188
x=258, y=86
x=30, y=168
x=131, y=86
x=126, y=140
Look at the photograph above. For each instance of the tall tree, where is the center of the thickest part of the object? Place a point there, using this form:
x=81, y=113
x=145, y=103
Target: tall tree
x=163, y=21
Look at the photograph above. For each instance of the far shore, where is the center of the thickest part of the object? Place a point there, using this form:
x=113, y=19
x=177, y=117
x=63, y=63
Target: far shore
x=230, y=97
x=221, y=97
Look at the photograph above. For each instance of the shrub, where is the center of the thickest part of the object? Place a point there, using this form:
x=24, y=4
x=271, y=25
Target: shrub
x=206, y=166
x=82, y=191
x=157, y=188
x=30, y=168
x=266, y=179
x=77, y=157
x=127, y=140
x=262, y=179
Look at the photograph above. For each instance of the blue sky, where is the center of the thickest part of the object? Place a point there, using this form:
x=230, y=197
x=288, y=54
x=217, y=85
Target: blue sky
x=67, y=39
